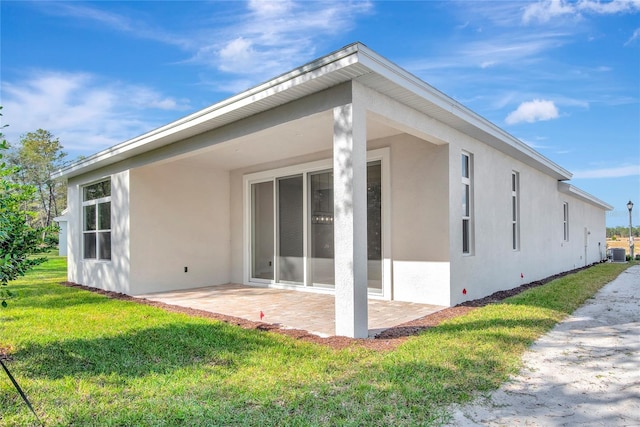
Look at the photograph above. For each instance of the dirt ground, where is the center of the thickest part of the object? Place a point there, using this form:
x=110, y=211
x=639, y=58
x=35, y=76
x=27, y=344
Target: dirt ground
x=623, y=242
x=584, y=372
x=384, y=341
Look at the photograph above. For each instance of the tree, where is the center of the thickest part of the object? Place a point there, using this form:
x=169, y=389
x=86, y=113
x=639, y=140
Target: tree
x=37, y=156
x=19, y=239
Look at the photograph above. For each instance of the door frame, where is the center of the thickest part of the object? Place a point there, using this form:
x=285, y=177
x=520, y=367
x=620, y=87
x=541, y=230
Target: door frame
x=382, y=155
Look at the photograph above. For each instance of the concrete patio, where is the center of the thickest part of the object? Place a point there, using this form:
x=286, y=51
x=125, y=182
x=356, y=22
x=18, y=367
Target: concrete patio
x=313, y=312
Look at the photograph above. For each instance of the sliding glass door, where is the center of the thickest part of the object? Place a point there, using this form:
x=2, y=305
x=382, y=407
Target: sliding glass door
x=292, y=236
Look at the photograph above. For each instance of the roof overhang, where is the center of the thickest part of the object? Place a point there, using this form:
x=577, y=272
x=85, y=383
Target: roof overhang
x=353, y=62
x=567, y=188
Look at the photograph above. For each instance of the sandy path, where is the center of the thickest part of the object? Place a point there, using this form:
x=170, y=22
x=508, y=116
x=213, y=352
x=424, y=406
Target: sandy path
x=585, y=372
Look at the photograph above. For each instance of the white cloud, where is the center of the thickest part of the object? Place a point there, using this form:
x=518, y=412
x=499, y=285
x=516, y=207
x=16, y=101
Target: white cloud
x=266, y=38
x=533, y=111
x=273, y=37
x=571, y=102
x=609, y=7
x=481, y=16
x=119, y=22
x=634, y=36
x=508, y=49
x=270, y=9
x=238, y=54
x=546, y=10
x=487, y=64
x=85, y=112
x=617, y=172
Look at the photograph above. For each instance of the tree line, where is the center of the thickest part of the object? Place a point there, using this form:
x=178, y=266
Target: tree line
x=621, y=231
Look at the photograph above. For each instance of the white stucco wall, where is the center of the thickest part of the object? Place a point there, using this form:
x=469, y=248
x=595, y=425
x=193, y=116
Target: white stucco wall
x=179, y=218
x=419, y=220
x=494, y=265
x=73, y=230
x=587, y=233
x=110, y=275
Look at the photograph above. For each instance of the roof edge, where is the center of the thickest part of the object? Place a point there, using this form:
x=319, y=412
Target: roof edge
x=359, y=53
x=381, y=64
x=567, y=188
x=333, y=57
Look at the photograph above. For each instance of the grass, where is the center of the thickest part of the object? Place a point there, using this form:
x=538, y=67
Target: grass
x=86, y=360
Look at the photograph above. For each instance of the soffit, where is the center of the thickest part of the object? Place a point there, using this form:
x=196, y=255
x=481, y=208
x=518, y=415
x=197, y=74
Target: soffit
x=296, y=138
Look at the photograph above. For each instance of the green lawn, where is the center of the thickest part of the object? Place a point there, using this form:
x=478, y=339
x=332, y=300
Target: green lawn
x=84, y=359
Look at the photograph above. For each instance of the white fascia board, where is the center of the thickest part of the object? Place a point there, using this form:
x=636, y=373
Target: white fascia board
x=566, y=188
x=403, y=78
x=63, y=216
x=178, y=129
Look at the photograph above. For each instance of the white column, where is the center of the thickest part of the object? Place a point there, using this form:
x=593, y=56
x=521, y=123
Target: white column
x=350, y=220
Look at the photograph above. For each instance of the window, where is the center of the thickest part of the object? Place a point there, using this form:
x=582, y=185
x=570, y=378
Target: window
x=515, y=210
x=467, y=203
x=565, y=221
x=96, y=221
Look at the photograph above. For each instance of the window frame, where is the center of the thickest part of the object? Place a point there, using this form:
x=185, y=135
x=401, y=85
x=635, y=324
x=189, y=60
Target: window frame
x=466, y=173
x=99, y=229
x=565, y=221
x=515, y=210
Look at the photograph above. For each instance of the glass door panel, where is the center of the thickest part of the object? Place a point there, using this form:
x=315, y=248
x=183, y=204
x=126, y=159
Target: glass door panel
x=321, y=265
x=262, y=230
x=290, y=230
x=374, y=226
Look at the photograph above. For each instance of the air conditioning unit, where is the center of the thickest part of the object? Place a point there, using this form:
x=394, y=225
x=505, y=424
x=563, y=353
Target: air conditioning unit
x=618, y=255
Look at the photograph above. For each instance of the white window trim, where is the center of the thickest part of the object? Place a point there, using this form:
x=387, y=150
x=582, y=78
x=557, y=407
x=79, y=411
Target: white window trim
x=565, y=221
x=383, y=155
x=468, y=181
x=95, y=202
x=515, y=222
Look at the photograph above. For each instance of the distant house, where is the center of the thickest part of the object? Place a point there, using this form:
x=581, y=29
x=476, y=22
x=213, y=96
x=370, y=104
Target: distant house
x=347, y=175
x=62, y=233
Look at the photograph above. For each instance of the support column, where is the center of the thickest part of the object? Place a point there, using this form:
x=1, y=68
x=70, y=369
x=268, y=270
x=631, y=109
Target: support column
x=350, y=220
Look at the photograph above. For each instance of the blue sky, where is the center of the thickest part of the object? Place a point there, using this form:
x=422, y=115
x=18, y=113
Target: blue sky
x=562, y=76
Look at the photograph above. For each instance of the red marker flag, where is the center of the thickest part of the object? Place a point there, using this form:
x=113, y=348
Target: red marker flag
x=261, y=314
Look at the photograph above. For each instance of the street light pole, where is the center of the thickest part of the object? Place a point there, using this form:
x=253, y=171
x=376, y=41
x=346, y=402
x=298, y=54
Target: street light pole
x=630, y=207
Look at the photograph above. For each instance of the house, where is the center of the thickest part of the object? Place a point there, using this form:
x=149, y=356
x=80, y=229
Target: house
x=348, y=176
x=62, y=233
